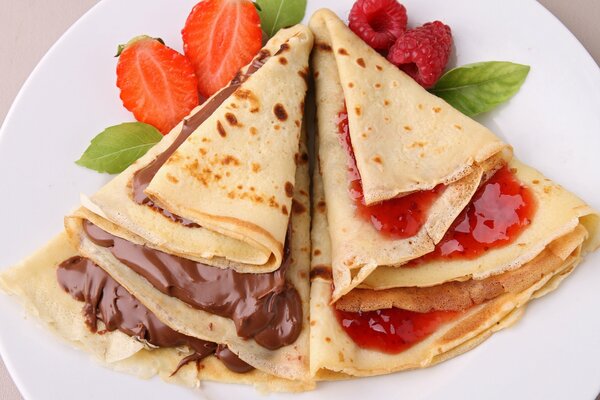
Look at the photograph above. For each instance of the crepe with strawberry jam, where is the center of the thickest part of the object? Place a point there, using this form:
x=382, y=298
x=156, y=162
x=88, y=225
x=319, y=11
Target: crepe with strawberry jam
x=372, y=332
x=398, y=163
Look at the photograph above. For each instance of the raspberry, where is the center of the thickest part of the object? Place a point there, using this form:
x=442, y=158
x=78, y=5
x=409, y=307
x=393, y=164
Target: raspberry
x=378, y=22
x=423, y=52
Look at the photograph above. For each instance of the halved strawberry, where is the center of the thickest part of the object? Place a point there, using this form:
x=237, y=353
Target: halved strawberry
x=220, y=37
x=158, y=85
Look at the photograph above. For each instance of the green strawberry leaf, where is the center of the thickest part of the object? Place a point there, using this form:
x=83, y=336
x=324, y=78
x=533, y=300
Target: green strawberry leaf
x=122, y=47
x=117, y=147
x=477, y=88
x=277, y=14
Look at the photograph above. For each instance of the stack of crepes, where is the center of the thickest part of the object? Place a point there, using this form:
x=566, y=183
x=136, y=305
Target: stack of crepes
x=428, y=236
x=193, y=263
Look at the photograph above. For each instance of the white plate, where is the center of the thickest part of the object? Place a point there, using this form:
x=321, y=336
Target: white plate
x=553, y=123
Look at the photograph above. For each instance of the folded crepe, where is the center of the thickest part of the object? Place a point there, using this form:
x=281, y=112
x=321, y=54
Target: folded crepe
x=496, y=236
x=458, y=325
x=218, y=189
x=404, y=139
x=406, y=142
x=557, y=214
x=34, y=282
x=261, y=317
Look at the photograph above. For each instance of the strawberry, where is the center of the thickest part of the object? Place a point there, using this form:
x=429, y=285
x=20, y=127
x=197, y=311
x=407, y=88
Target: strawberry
x=220, y=37
x=158, y=85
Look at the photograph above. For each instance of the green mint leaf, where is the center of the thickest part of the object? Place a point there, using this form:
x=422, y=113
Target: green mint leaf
x=117, y=147
x=277, y=14
x=477, y=88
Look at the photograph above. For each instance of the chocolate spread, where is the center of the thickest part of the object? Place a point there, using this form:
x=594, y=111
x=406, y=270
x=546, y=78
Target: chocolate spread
x=263, y=306
x=142, y=177
x=111, y=303
x=231, y=360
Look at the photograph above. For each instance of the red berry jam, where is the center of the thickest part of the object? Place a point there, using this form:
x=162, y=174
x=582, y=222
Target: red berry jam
x=397, y=218
x=391, y=330
x=499, y=211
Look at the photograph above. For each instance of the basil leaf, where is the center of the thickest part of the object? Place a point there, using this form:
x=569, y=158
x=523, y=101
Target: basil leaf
x=277, y=14
x=117, y=147
x=477, y=88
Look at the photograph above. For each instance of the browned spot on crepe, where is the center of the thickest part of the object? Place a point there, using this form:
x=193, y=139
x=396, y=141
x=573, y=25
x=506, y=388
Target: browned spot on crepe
x=360, y=61
x=301, y=158
x=342, y=51
x=297, y=207
x=304, y=74
x=172, y=178
x=248, y=95
x=321, y=206
x=289, y=189
x=280, y=112
x=232, y=119
x=321, y=271
x=283, y=61
x=323, y=46
x=230, y=160
x=220, y=129
x=283, y=48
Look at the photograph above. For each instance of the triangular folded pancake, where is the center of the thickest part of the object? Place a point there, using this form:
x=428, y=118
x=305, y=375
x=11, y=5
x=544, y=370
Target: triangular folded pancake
x=227, y=192
x=404, y=138
x=558, y=212
x=333, y=350
x=357, y=247
x=290, y=361
x=34, y=282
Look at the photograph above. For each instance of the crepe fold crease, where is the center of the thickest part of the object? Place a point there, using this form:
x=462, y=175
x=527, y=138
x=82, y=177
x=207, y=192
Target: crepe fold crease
x=357, y=247
x=232, y=178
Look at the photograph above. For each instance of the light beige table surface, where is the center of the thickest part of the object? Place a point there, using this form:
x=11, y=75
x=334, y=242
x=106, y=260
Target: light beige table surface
x=29, y=27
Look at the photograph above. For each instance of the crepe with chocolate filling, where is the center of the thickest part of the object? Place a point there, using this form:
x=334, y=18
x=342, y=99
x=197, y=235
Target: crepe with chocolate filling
x=404, y=138
x=34, y=282
x=332, y=349
x=358, y=248
x=224, y=197
x=263, y=318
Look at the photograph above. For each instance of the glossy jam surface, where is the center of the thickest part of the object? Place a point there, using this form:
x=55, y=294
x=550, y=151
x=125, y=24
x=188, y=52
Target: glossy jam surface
x=499, y=211
x=397, y=218
x=391, y=330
